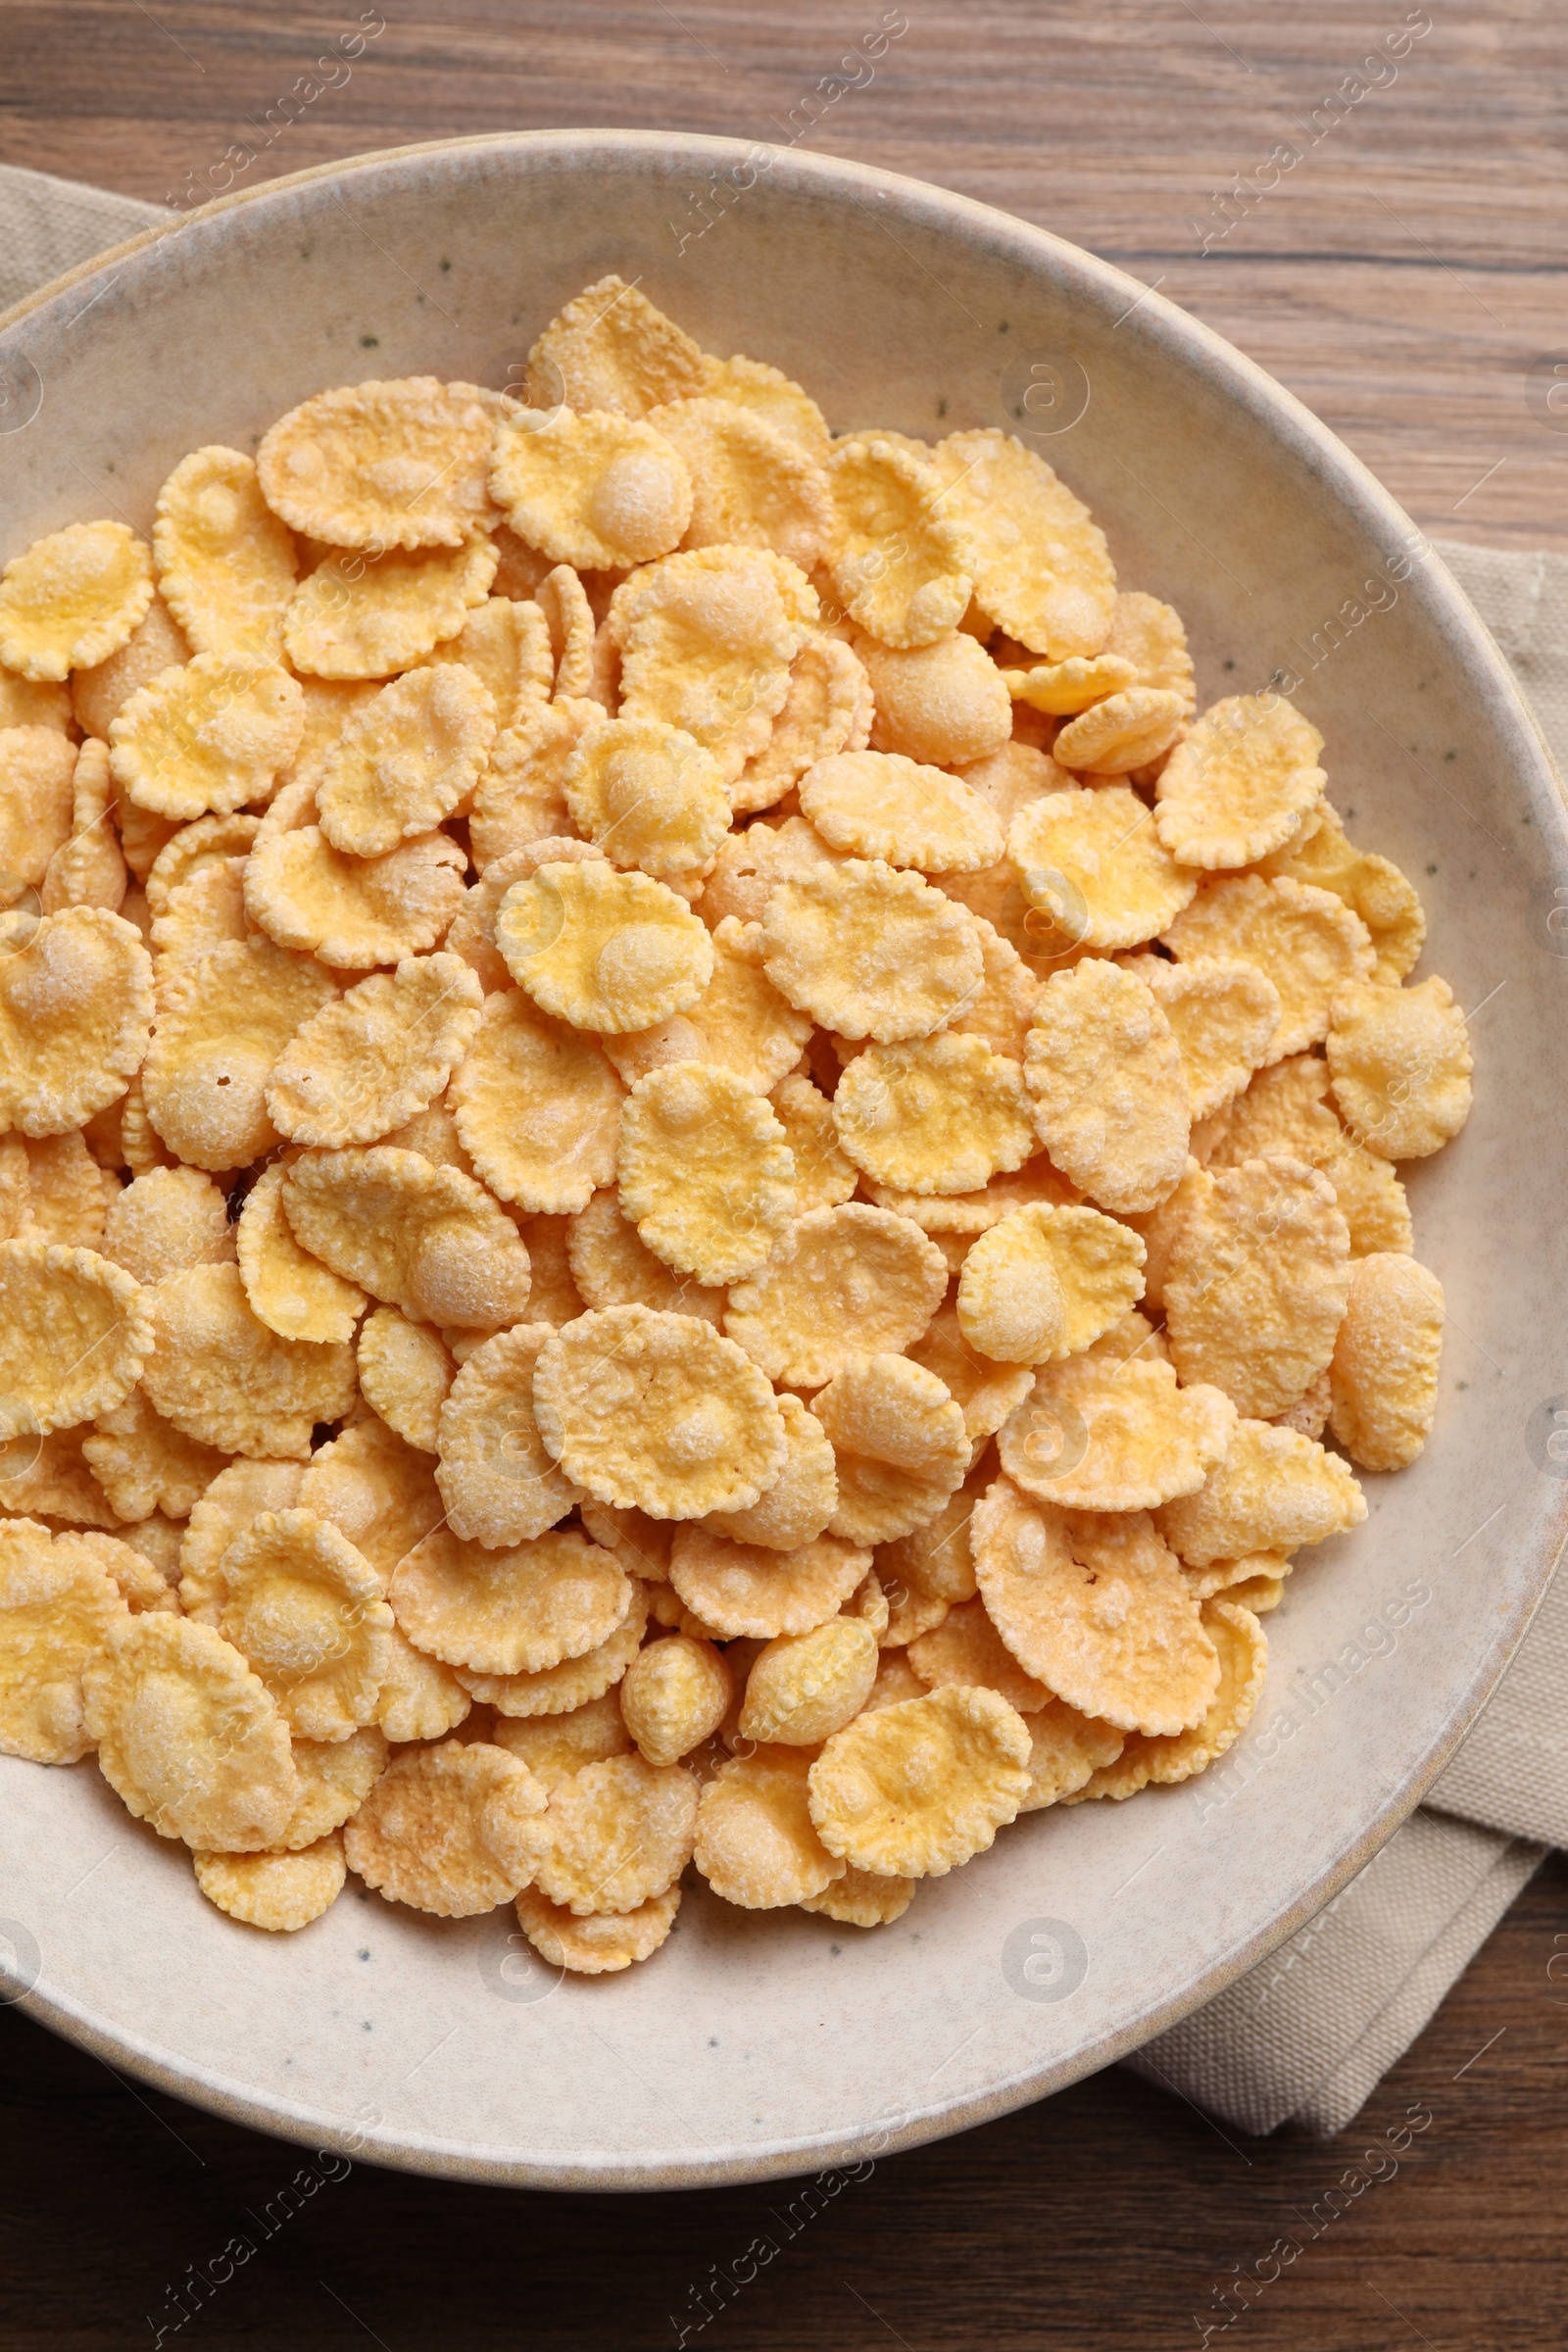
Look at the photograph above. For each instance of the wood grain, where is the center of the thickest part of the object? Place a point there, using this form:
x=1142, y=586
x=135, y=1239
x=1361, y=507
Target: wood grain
x=1400, y=277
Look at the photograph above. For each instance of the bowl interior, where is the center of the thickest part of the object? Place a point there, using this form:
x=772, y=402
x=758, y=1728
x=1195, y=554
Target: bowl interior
x=759, y=2045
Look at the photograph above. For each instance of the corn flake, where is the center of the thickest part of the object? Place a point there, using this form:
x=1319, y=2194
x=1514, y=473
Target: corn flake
x=1044, y=1283
x=945, y=704
x=657, y=1412
x=73, y=599
x=594, y=489
x=452, y=1830
x=188, y=1737
x=598, y=1943
x=801, y=1501
x=425, y=1239
x=881, y=805
x=756, y=1844
x=76, y=1010
x=602, y=950
x=1305, y=939
x=1256, y=1286
x=280, y=1892
x=292, y=1293
x=1105, y=1073
x=842, y=1282
x=1383, y=1376
x=410, y=758
x=707, y=640
x=369, y=616
x=406, y=1374
x=1124, y=732
x=1241, y=783
x=538, y=1107
x=366, y=1063
x=900, y=1444
x=1063, y=689
x=420, y=1698
x=222, y=1024
x=609, y=348
x=674, y=1695
x=1041, y=567
x=65, y=1197
x=1273, y=1490
x=941, y=1116
x=399, y=463
x=58, y=1606
x=965, y=1650
x=89, y=869
x=210, y=736
x=1098, y=852
x=575, y=1683
x=144, y=1464
x=704, y=1171
x=1097, y=1435
x=916, y=1789
x=620, y=1832
x=647, y=795
x=804, y=1687
x=521, y=797
x=218, y=1373
x=1371, y=1200
x=306, y=1612
x=869, y=952
x=562, y=601
x=901, y=552
x=1098, y=1610
x=495, y=1477
x=226, y=562
x=747, y=1589
x=826, y=711
x=511, y=1608
x=74, y=1337
x=1399, y=1066
x=38, y=770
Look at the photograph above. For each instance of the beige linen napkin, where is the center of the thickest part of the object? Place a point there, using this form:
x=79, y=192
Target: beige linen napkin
x=1309, y=2034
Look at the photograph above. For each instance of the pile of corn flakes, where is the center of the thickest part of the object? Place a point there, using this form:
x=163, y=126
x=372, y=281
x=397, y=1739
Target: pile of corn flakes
x=687, y=1172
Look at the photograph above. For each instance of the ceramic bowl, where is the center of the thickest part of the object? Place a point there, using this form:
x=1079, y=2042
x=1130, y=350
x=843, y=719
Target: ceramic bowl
x=756, y=2046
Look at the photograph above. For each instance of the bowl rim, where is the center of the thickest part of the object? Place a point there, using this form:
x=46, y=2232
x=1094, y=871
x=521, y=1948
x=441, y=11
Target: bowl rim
x=1355, y=486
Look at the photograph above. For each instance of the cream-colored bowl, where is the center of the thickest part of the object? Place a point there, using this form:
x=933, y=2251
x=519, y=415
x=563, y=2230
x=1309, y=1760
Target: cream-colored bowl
x=757, y=2045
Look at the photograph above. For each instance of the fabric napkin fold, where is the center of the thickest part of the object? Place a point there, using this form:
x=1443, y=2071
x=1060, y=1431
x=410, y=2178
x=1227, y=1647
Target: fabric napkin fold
x=1306, y=2035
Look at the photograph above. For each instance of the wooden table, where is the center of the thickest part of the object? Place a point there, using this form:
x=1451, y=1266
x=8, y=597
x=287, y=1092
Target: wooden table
x=1402, y=274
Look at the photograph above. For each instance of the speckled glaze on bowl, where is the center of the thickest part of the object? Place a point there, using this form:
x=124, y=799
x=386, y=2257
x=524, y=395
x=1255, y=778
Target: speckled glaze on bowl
x=761, y=2045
